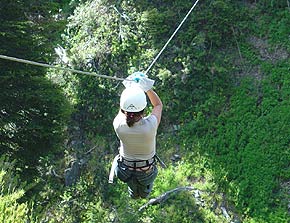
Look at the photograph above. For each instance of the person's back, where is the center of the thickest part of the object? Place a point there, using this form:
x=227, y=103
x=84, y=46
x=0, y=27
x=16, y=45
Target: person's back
x=137, y=142
x=137, y=134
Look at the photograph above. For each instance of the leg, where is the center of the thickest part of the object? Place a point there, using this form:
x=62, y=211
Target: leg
x=123, y=173
x=145, y=182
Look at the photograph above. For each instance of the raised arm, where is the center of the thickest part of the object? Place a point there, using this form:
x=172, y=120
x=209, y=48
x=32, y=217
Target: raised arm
x=157, y=104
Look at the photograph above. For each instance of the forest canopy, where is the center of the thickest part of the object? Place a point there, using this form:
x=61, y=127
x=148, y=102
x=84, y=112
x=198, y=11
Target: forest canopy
x=224, y=82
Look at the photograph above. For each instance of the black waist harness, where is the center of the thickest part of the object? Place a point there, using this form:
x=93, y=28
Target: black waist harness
x=137, y=163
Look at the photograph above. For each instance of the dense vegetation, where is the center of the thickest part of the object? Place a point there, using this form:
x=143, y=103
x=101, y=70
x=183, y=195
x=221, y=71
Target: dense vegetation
x=224, y=80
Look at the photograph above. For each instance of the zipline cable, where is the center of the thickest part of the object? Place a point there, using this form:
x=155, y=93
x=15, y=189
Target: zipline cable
x=177, y=29
x=58, y=68
x=100, y=75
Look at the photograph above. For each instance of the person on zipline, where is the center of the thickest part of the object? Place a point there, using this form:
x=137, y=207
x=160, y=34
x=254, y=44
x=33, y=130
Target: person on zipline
x=136, y=160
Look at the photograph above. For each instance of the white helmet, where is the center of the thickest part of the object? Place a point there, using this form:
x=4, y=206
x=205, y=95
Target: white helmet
x=133, y=99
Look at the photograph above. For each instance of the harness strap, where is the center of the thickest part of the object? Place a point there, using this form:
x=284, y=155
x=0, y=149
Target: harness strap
x=137, y=163
x=113, y=167
x=162, y=164
x=121, y=159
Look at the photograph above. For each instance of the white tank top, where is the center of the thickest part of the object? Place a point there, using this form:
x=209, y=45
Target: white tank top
x=139, y=141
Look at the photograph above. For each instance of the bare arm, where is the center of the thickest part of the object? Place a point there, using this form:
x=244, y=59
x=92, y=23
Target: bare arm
x=157, y=104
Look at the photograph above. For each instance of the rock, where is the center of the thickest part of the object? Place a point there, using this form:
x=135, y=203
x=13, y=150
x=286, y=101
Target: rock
x=72, y=174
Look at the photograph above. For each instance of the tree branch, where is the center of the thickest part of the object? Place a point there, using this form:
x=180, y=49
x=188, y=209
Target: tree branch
x=164, y=197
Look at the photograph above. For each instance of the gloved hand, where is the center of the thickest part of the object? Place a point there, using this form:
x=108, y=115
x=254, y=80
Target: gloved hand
x=133, y=79
x=139, y=79
x=146, y=84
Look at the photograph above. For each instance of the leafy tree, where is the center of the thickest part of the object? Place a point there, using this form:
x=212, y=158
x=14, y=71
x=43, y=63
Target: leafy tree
x=32, y=118
x=33, y=111
x=228, y=104
x=11, y=210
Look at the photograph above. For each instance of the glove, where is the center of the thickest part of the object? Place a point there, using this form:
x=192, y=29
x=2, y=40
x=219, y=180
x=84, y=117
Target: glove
x=133, y=79
x=146, y=84
x=140, y=80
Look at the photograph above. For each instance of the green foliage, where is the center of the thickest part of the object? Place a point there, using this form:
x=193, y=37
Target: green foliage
x=272, y=6
x=119, y=39
x=247, y=145
x=11, y=210
x=277, y=34
x=34, y=112
x=93, y=46
x=196, y=62
x=224, y=83
x=226, y=128
x=181, y=208
x=76, y=203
